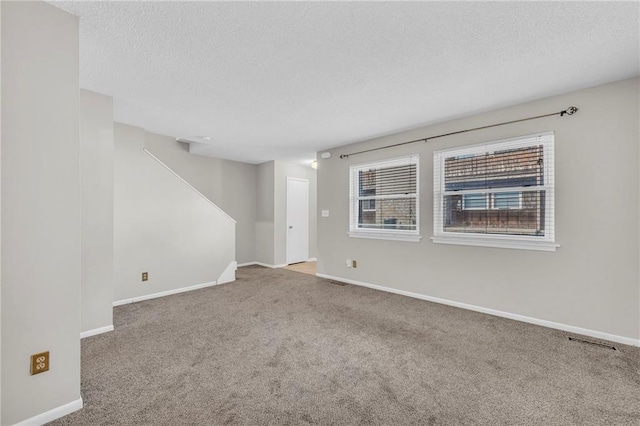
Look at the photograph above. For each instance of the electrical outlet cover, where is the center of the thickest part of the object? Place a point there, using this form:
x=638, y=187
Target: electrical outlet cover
x=39, y=363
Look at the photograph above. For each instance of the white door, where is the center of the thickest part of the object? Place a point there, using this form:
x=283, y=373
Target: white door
x=297, y=220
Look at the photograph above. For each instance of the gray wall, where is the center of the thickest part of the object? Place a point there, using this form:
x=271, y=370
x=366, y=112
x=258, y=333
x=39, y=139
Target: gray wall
x=0, y=219
x=591, y=281
x=161, y=226
x=254, y=195
x=229, y=184
x=282, y=171
x=40, y=208
x=265, y=213
x=271, y=210
x=96, y=178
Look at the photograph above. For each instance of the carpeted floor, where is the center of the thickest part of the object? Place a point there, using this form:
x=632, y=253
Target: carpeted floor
x=281, y=348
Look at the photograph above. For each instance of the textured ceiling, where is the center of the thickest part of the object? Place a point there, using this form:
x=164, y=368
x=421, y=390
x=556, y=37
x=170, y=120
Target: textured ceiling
x=282, y=80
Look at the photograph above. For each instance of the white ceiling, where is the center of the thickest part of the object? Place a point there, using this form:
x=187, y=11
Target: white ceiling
x=282, y=80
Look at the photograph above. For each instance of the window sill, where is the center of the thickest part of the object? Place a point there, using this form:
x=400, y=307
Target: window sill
x=386, y=236
x=496, y=243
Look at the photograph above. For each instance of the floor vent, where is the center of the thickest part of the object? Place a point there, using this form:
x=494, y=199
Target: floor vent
x=336, y=283
x=604, y=345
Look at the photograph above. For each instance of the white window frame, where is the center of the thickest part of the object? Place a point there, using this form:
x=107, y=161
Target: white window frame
x=382, y=234
x=526, y=242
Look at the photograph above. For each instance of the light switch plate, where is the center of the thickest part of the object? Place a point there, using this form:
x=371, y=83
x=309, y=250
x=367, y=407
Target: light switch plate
x=325, y=213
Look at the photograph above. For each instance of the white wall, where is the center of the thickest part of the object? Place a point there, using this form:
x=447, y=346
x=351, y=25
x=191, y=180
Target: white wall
x=591, y=281
x=40, y=208
x=282, y=171
x=229, y=184
x=161, y=226
x=96, y=178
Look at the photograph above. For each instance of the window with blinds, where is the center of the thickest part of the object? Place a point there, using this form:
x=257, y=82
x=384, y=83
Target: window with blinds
x=384, y=199
x=499, y=194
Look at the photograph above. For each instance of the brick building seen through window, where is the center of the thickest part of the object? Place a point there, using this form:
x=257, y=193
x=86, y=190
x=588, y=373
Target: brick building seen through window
x=498, y=208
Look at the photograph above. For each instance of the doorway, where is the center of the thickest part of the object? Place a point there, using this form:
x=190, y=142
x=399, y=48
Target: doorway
x=297, y=220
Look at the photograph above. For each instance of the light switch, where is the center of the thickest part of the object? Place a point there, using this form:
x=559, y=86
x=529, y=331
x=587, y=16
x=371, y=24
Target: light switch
x=325, y=213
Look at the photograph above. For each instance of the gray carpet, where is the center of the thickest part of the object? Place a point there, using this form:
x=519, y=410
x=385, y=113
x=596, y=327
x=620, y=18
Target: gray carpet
x=282, y=348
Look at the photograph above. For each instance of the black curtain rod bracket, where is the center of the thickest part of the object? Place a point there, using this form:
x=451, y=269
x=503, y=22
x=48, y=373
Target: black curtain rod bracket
x=569, y=111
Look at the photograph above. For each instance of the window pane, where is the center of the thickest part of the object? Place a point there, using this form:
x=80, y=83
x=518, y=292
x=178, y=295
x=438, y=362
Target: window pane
x=474, y=201
x=368, y=204
x=367, y=183
x=388, y=181
x=389, y=214
x=499, y=169
x=396, y=180
x=506, y=200
x=527, y=219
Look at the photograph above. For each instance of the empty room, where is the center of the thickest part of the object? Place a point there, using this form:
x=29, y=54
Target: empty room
x=328, y=213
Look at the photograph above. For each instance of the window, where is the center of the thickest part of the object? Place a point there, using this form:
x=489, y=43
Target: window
x=506, y=200
x=368, y=205
x=384, y=199
x=474, y=201
x=499, y=194
x=501, y=200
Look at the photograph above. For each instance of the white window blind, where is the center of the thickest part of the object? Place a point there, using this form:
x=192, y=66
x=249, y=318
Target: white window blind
x=498, y=194
x=384, y=199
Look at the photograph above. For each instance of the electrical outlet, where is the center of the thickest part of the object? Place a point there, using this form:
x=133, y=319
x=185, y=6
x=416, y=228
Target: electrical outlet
x=145, y=276
x=354, y=264
x=349, y=264
x=39, y=363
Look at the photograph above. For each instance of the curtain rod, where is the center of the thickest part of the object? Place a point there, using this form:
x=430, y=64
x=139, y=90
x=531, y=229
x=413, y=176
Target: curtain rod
x=569, y=111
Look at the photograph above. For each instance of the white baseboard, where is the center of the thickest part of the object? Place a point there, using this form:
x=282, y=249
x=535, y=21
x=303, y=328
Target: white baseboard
x=163, y=293
x=312, y=259
x=240, y=265
x=229, y=274
x=51, y=415
x=95, y=331
x=544, y=323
